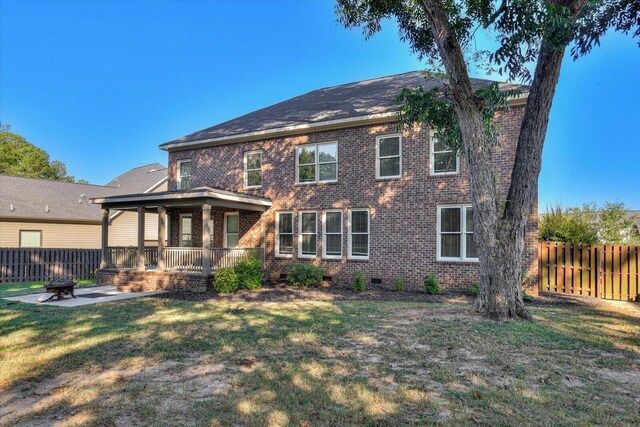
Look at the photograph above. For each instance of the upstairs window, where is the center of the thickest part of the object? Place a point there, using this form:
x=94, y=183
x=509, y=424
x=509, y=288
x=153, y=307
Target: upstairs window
x=184, y=174
x=389, y=156
x=253, y=169
x=444, y=161
x=317, y=163
x=455, y=234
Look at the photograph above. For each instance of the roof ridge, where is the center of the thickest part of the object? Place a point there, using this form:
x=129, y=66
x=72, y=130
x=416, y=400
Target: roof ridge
x=56, y=181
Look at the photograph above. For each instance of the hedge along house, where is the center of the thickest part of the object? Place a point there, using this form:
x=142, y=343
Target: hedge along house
x=325, y=178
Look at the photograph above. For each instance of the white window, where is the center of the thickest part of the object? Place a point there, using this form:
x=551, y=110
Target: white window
x=30, y=238
x=231, y=229
x=284, y=234
x=184, y=174
x=455, y=234
x=332, y=234
x=186, y=236
x=317, y=163
x=389, y=156
x=444, y=161
x=253, y=169
x=308, y=234
x=359, y=233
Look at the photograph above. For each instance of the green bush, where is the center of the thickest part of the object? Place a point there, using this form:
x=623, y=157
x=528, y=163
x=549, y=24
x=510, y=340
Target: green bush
x=474, y=289
x=526, y=297
x=358, y=281
x=305, y=275
x=249, y=273
x=431, y=285
x=398, y=285
x=225, y=281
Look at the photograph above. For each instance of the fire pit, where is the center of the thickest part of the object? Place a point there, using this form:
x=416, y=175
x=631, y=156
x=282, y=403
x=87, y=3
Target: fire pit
x=59, y=288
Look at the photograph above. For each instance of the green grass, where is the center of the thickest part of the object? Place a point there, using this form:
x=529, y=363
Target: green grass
x=312, y=362
x=24, y=288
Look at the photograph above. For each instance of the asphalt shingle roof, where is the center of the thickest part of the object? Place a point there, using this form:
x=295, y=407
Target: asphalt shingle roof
x=344, y=101
x=58, y=200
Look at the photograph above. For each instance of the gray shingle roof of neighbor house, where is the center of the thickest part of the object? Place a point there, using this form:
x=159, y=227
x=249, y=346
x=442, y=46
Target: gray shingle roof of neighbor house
x=29, y=198
x=336, y=103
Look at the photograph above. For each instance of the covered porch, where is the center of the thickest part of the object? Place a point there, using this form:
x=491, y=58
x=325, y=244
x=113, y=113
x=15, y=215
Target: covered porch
x=199, y=231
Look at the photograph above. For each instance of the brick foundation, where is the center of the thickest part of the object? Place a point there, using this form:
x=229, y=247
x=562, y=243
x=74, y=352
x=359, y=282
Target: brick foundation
x=155, y=280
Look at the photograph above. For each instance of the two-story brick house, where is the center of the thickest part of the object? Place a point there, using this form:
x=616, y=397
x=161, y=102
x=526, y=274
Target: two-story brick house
x=325, y=178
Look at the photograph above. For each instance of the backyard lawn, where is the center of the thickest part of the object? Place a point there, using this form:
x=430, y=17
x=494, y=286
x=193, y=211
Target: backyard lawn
x=318, y=357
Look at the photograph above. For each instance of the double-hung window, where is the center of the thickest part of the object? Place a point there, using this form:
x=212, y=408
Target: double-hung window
x=389, y=156
x=317, y=163
x=455, y=234
x=186, y=236
x=231, y=229
x=332, y=234
x=184, y=174
x=284, y=234
x=359, y=229
x=444, y=161
x=253, y=169
x=308, y=234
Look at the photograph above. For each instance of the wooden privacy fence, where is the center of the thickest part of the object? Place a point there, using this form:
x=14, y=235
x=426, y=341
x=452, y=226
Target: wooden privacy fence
x=601, y=271
x=39, y=264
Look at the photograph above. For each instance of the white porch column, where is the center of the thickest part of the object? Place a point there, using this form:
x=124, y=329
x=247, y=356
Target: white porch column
x=206, y=240
x=105, y=238
x=162, y=215
x=140, y=257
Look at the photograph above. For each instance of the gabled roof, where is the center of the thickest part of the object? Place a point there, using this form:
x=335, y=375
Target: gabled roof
x=375, y=98
x=39, y=199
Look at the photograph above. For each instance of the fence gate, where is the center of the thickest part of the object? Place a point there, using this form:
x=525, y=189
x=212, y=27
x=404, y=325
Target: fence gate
x=601, y=271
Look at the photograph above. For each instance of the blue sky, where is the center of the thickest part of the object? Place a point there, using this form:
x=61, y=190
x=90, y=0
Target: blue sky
x=99, y=84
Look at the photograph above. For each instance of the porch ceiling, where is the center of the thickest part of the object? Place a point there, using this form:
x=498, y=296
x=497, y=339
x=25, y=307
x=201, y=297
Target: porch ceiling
x=193, y=197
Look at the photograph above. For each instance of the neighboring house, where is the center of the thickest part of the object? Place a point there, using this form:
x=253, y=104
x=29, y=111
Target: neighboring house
x=57, y=214
x=635, y=228
x=327, y=178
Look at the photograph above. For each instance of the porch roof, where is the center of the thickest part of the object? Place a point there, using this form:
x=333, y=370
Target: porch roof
x=192, y=197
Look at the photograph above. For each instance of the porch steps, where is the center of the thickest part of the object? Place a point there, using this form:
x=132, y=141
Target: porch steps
x=138, y=286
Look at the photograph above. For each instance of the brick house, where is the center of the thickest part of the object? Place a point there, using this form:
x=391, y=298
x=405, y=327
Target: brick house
x=324, y=178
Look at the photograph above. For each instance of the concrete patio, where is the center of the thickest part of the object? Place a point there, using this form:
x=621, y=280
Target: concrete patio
x=84, y=296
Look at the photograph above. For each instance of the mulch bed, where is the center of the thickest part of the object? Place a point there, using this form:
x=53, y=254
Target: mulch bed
x=280, y=292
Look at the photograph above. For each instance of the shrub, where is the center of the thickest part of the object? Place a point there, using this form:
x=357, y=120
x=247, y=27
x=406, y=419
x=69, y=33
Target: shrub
x=398, y=285
x=305, y=275
x=358, y=281
x=249, y=274
x=225, y=281
x=431, y=285
x=474, y=289
x=526, y=297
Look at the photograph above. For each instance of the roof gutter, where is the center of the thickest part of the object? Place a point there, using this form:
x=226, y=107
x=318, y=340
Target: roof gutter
x=303, y=128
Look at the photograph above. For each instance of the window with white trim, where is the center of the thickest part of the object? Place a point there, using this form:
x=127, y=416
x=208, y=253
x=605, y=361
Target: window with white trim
x=389, y=156
x=317, y=163
x=308, y=234
x=30, y=239
x=444, y=161
x=332, y=234
x=184, y=174
x=455, y=234
x=253, y=169
x=186, y=236
x=231, y=229
x=359, y=233
x=284, y=234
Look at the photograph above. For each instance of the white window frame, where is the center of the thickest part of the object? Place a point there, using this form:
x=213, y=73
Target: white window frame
x=300, y=234
x=180, y=177
x=399, y=155
x=324, y=233
x=29, y=231
x=277, y=244
x=317, y=163
x=432, y=153
x=180, y=241
x=463, y=234
x=246, y=170
x=224, y=236
x=355, y=257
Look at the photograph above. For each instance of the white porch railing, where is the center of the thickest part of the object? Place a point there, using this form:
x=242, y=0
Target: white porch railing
x=125, y=256
x=190, y=259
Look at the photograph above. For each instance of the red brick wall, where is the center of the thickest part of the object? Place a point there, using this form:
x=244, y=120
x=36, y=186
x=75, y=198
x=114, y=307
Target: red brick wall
x=403, y=211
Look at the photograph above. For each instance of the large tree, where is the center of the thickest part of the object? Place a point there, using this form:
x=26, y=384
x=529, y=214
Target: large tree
x=19, y=157
x=529, y=33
